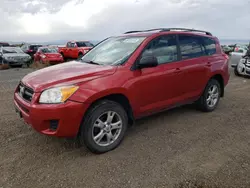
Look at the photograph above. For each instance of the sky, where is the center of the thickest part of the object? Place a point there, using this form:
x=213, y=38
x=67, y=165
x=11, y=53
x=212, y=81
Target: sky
x=50, y=20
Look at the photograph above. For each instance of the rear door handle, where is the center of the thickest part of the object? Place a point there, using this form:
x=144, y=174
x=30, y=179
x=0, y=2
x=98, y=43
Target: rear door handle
x=208, y=64
x=177, y=70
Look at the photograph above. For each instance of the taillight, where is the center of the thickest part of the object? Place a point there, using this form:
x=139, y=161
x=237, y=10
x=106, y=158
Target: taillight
x=30, y=51
x=226, y=56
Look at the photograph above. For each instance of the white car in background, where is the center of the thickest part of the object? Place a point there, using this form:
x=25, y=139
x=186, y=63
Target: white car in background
x=243, y=67
x=236, y=56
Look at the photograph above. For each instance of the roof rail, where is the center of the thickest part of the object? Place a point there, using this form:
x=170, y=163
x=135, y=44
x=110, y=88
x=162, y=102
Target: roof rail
x=148, y=30
x=171, y=29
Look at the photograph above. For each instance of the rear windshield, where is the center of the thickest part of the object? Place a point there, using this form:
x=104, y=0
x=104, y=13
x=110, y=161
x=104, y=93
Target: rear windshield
x=35, y=47
x=84, y=44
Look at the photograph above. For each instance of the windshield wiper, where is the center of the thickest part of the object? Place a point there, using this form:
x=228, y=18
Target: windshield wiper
x=91, y=62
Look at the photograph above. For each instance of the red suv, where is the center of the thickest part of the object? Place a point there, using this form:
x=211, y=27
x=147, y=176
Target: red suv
x=121, y=79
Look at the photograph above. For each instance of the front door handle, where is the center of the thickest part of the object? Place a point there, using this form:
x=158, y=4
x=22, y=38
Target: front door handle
x=177, y=70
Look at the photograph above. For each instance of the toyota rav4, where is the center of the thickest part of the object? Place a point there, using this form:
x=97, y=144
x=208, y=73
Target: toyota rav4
x=121, y=79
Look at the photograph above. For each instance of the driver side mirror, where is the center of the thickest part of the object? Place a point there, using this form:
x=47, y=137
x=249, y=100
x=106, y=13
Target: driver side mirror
x=147, y=61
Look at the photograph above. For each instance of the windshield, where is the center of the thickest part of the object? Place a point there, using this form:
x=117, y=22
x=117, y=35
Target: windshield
x=113, y=51
x=84, y=44
x=12, y=50
x=48, y=50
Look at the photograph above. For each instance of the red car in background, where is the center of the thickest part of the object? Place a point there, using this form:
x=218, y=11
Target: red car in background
x=75, y=49
x=46, y=54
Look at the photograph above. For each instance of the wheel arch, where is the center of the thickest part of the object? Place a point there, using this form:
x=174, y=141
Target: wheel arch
x=220, y=79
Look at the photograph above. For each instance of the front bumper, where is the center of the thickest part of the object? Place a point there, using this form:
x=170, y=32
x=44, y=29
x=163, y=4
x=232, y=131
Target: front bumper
x=68, y=116
x=52, y=60
x=15, y=62
x=243, y=68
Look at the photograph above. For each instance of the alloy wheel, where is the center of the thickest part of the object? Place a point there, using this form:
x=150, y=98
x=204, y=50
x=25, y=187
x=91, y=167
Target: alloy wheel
x=213, y=96
x=107, y=128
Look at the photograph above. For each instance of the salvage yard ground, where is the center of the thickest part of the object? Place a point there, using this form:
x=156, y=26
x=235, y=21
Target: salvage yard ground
x=178, y=148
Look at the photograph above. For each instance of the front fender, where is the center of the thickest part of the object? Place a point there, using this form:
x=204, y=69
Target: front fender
x=89, y=96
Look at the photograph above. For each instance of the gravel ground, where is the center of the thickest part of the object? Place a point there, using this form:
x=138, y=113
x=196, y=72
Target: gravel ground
x=178, y=148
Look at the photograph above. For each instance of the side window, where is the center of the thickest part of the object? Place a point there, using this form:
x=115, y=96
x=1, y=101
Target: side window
x=163, y=48
x=210, y=45
x=191, y=47
x=73, y=45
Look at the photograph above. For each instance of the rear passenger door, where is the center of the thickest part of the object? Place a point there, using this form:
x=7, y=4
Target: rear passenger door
x=194, y=60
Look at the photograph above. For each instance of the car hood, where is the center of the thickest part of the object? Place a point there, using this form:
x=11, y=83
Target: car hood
x=51, y=55
x=65, y=74
x=15, y=55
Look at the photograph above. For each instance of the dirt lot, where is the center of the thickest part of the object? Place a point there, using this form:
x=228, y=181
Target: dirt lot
x=178, y=148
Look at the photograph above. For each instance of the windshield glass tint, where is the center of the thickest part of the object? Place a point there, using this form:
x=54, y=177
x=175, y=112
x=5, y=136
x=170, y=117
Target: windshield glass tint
x=48, y=50
x=84, y=44
x=12, y=50
x=113, y=50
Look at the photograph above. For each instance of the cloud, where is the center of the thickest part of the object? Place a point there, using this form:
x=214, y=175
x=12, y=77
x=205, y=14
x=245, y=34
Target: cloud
x=43, y=20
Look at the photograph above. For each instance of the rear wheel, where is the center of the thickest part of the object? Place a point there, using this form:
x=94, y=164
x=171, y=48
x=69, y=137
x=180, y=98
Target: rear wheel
x=64, y=59
x=80, y=55
x=210, y=97
x=104, y=126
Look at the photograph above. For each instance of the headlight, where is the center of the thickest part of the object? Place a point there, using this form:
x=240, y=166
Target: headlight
x=9, y=58
x=43, y=56
x=242, y=60
x=57, y=95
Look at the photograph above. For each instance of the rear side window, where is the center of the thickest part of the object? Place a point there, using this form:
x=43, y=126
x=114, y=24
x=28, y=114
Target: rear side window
x=210, y=45
x=191, y=47
x=163, y=48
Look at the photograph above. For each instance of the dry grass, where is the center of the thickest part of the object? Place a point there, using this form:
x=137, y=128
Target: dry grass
x=38, y=65
x=4, y=66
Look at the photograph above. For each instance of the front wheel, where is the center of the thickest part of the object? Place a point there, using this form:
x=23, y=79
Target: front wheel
x=80, y=56
x=104, y=126
x=210, y=97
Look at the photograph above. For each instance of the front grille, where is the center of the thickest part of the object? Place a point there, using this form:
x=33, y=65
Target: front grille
x=25, y=92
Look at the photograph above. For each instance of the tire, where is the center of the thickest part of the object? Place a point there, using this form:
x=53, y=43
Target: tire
x=203, y=102
x=64, y=59
x=89, y=129
x=80, y=55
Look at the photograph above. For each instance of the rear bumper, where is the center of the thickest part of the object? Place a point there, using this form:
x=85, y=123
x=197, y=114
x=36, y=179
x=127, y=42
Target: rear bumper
x=68, y=116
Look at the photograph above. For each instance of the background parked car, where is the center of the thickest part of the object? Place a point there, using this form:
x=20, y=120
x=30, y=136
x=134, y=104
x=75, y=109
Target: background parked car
x=237, y=55
x=30, y=49
x=48, y=54
x=75, y=49
x=4, y=44
x=227, y=50
x=13, y=56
